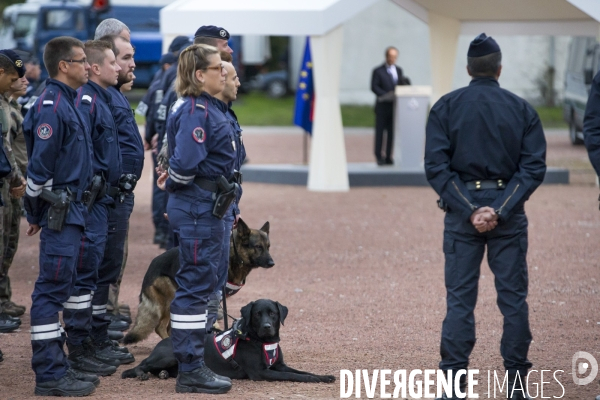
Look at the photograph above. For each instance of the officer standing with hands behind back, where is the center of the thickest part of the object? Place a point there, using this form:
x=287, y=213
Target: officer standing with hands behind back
x=58, y=178
x=485, y=154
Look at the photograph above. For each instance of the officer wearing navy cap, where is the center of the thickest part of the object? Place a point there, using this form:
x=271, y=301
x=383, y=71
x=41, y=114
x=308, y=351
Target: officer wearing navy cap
x=11, y=69
x=485, y=155
x=214, y=36
x=57, y=196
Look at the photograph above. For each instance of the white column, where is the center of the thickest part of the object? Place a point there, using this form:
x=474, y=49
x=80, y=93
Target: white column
x=327, y=170
x=443, y=38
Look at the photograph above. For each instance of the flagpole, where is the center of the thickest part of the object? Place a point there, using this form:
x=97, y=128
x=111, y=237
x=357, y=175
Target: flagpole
x=305, y=149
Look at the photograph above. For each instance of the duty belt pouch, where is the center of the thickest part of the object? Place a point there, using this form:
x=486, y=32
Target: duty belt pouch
x=97, y=190
x=226, y=194
x=59, y=207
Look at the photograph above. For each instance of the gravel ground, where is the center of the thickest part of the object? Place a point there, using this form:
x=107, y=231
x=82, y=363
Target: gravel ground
x=362, y=275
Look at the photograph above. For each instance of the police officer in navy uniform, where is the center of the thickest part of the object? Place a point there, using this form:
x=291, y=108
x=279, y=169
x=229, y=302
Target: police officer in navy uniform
x=591, y=124
x=227, y=97
x=93, y=102
x=59, y=173
x=132, y=162
x=485, y=154
x=201, y=142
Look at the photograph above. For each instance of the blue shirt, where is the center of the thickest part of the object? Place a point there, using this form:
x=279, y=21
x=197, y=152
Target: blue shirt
x=59, y=150
x=483, y=132
x=130, y=140
x=201, y=143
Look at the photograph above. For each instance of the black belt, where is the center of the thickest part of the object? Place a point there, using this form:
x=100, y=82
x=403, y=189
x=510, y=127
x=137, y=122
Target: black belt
x=84, y=197
x=206, y=184
x=113, y=191
x=497, y=184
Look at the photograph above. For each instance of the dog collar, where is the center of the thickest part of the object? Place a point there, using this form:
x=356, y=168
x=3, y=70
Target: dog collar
x=271, y=352
x=232, y=288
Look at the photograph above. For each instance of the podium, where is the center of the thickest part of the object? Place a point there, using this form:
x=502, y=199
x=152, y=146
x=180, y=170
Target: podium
x=410, y=117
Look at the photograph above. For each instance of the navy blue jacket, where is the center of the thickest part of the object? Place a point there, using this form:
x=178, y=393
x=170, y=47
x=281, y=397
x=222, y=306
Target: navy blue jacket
x=240, y=151
x=591, y=124
x=130, y=140
x=200, y=144
x=59, y=150
x=94, y=103
x=483, y=132
x=149, y=103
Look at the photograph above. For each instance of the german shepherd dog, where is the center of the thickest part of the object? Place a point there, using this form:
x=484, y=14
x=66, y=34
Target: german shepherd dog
x=249, y=249
x=250, y=350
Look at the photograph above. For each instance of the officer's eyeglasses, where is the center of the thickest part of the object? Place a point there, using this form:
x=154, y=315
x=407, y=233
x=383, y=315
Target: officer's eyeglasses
x=82, y=61
x=217, y=67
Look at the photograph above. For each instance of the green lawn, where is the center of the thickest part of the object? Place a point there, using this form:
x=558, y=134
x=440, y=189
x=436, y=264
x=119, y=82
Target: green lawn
x=256, y=109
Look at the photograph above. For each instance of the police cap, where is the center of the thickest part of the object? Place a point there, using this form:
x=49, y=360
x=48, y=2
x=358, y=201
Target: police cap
x=168, y=58
x=179, y=43
x=212, y=31
x=483, y=45
x=16, y=61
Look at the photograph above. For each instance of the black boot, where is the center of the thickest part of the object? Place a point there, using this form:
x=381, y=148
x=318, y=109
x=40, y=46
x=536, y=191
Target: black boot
x=80, y=376
x=66, y=386
x=517, y=387
x=115, y=335
x=105, y=351
x=200, y=380
x=116, y=324
x=8, y=323
x=83, y=360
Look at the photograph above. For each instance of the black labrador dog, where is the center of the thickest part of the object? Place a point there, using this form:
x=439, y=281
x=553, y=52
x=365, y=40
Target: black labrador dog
x=248, y=351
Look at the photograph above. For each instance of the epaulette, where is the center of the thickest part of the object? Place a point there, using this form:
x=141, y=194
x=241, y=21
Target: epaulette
x=200, y=106
x=49, y=98
x=86, y=98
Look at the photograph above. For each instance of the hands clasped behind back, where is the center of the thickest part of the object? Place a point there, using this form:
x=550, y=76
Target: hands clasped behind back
x=484, y=219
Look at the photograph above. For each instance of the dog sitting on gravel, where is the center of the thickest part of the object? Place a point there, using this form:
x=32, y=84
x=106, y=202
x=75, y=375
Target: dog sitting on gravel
x=249, y=249
x=250, y=350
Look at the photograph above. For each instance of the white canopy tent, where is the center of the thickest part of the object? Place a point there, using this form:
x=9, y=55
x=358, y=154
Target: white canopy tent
x=448, y=19
x=319, y=19
x=322, y=20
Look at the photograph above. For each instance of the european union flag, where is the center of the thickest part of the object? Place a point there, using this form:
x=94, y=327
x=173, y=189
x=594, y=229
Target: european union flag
x=305, y=94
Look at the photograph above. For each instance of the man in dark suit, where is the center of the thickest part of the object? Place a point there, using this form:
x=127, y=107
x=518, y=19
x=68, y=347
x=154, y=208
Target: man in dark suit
x=384, y=80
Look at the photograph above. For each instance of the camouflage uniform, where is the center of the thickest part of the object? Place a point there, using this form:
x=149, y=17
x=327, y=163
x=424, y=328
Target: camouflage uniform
x=13, y=180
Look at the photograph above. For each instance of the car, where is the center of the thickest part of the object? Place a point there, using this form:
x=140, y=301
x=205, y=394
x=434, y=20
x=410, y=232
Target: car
x=275, y=83
x=582, y=63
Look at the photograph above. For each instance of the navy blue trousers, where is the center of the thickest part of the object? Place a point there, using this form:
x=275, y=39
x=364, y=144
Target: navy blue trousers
x=56, y=281
x=506, y=248
x=110, y=267
x=228, y=221
x=200, y=236
x=77, y=314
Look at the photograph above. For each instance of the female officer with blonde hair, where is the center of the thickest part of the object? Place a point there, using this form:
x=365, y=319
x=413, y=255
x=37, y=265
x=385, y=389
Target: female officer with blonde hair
x=202, y=149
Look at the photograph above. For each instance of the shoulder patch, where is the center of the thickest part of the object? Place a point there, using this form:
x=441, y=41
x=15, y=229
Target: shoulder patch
x=177, y=104
x=142, y=109
x=200, y=106
x=199, y=135
x=87, y=98
x=44, y=131
x=48, y=102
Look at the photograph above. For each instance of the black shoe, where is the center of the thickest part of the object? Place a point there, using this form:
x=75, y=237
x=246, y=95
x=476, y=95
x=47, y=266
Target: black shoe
x=66, y=386
x=389, y=161
x=116, y=324
x=84, y=377
x=115, y=335
x=7, y=317
x=380, y=161
x=105, y=352
x=516, y=388
x=83, y=360
x=116, y=347
x=200, y=380
x=125, y=318
x=8, y=325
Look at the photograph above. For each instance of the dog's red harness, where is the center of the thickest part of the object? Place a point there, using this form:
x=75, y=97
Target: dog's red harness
x=232, y=288
x=226, y=343
x=271, y=352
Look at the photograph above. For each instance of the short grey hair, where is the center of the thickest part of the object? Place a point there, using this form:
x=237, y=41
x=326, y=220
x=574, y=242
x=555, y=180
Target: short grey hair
x=110, y=27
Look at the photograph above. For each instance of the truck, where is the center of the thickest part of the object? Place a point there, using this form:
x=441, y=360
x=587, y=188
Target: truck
x=583, y=63
x=30, y=25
